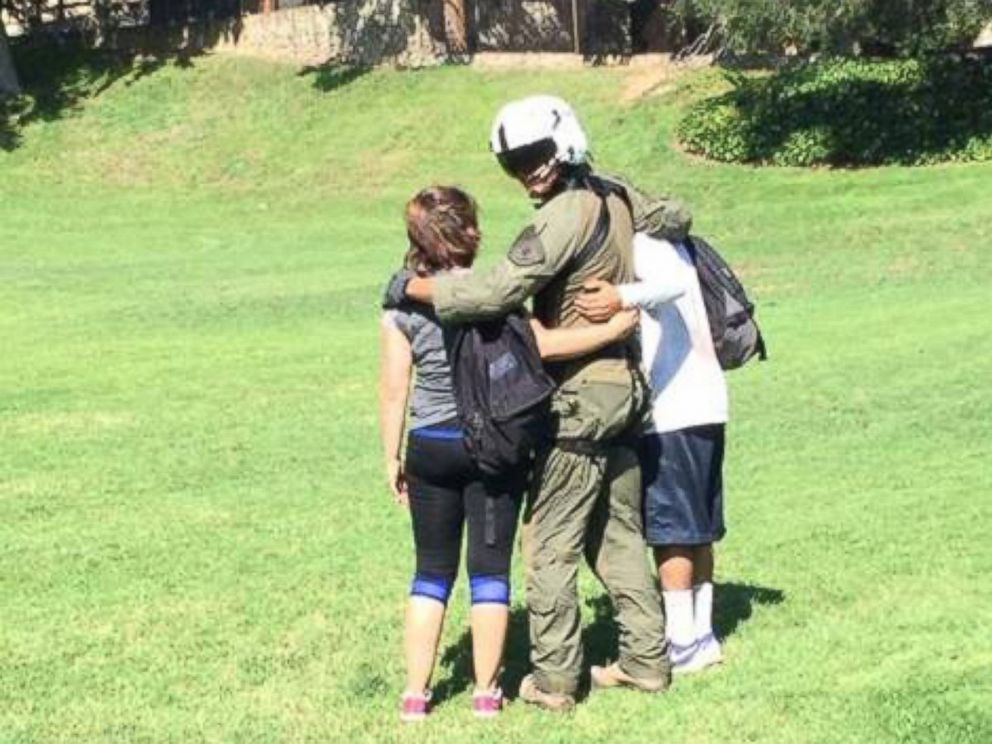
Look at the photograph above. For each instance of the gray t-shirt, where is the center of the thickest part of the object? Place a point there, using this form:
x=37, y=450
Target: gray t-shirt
x=433, y=400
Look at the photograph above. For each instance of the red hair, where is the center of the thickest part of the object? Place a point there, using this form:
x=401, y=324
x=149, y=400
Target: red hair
x=443, y=227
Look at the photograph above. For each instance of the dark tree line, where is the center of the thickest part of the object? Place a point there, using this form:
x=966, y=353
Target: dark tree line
x=889, y=28
x=839, y=27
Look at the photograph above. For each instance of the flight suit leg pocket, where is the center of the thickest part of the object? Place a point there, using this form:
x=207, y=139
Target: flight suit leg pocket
x=606, y=409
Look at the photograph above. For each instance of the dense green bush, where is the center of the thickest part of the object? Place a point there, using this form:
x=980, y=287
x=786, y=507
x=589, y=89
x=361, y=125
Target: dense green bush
x=849, y=112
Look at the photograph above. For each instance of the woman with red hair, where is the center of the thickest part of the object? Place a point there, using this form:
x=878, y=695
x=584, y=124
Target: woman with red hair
x=445, y=491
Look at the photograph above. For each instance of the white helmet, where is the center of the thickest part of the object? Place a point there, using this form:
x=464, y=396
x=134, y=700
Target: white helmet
x=533, y=131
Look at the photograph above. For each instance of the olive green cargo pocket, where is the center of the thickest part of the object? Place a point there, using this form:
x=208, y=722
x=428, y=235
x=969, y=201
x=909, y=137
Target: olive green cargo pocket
x=598, y=410
x=542, y=602
x=565, y=409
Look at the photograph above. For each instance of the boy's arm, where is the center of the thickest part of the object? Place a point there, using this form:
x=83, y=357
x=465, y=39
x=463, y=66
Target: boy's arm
x=662, y=277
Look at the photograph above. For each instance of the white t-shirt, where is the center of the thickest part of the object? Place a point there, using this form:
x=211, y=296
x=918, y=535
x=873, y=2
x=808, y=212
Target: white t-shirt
x=688, y=387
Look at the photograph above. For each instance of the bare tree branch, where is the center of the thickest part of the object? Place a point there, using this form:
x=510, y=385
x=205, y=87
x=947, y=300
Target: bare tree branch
x=702, y=43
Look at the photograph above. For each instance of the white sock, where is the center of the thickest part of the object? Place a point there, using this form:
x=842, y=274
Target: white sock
x=678, y=617
x=702, y=596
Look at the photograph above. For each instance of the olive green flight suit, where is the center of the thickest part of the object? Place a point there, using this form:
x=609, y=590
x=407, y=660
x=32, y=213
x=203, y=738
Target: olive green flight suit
x=586, y=497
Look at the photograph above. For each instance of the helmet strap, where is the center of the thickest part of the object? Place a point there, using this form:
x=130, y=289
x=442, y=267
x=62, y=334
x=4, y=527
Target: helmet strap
x=576, y=176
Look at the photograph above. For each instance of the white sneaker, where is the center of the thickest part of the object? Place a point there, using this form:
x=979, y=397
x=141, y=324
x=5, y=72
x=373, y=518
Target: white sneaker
x=685, y=659
x=708, y=649
x=701, y=653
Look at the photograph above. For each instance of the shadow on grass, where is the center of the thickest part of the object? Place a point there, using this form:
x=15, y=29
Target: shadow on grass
x=331, y=76
x=59, y=75
x=733, y=604
x=457, y=659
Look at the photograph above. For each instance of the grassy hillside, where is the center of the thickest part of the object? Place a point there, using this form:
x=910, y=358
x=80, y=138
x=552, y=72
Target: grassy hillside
x=195, y=538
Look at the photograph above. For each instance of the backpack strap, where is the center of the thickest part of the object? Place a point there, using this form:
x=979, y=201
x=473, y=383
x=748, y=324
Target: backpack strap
x=490, y=521
x=585, y=447
x=595, y=447
x=603, y=189
x=596, y=241
x=556, y=287
x=716, y=276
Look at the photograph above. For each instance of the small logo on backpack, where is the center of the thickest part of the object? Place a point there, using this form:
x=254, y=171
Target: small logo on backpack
x=502, y=366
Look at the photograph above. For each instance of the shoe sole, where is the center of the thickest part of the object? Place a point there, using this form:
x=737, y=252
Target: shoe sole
x=566, y=707
x=695, y=669
x=612, y=684
x=599, y=684
x=562, y=704
x=486, y=714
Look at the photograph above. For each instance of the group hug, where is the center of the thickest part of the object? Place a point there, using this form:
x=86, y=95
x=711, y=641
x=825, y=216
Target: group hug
x=628, y=473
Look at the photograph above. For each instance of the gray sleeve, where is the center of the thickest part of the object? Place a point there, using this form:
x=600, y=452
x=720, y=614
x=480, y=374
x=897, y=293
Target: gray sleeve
x=401, y=320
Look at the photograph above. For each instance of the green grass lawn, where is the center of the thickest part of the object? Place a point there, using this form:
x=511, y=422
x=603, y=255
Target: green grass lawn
x=196, y=542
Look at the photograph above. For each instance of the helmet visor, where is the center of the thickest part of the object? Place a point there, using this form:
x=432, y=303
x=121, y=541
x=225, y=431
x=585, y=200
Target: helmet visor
x=520, y=162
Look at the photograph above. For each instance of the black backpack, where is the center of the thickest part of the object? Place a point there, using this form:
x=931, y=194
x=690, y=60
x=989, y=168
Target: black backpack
x=502, y=392
x=736, y=336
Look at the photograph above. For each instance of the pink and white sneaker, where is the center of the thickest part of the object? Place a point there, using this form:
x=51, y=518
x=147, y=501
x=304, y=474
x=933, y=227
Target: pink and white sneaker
x=487, y=703
x=414, y=707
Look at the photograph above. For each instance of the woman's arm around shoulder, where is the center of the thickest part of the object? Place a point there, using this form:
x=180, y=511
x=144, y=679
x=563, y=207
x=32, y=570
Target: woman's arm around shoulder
x=557, y=344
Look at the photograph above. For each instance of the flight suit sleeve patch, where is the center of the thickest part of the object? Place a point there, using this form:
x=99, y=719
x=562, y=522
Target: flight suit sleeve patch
x=527, y=250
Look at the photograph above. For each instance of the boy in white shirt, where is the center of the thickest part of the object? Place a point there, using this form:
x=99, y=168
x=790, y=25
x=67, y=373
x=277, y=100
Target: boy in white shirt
x=682, y=454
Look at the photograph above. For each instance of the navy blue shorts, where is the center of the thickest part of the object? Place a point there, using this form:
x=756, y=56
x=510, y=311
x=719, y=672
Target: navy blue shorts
x=682, y=472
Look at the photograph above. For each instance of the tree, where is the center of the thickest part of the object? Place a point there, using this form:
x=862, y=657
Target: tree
x=456, y=26
x=9, y=85
x=851, y=27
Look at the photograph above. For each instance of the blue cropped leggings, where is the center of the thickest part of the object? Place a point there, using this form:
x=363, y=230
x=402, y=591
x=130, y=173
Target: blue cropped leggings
x=448, y=494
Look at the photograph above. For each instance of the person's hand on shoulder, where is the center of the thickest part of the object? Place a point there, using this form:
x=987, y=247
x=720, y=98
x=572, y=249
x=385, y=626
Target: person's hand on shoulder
x=395, y=293
x=599, y=301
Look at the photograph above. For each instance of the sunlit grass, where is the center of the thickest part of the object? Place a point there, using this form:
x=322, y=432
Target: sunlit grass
x=195, y=541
